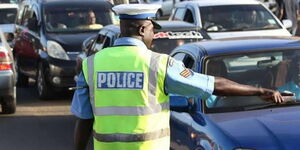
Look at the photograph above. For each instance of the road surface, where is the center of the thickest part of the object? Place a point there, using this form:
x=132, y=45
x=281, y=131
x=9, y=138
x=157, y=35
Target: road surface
x=37, y=124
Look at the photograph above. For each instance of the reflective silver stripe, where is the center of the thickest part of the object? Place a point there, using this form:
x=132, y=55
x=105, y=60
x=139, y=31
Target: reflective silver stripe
x=132, y=111
x=153, y=73
x=90, y=67
x=120, y=137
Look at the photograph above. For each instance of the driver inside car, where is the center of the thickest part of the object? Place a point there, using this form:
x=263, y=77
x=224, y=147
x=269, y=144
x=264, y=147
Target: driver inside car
x=293, y=78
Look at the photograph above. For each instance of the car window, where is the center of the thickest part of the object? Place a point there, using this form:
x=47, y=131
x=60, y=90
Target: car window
x=273, y=70
x=187, y=59
x=134, y=1
x=237, y=18
x=106, y=42
x=76, y=19
x=33, y=23
x=188, y=17
x=26, y=15
x=8, y=16
x=179, y=14
x=99, y=43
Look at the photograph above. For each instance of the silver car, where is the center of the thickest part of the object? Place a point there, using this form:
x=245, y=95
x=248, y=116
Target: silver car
x=7, y=77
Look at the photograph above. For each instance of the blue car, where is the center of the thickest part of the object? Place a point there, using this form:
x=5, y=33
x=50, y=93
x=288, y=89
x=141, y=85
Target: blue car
x=240, y=122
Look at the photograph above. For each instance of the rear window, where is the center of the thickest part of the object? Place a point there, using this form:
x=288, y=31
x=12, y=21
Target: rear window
x=76, y=18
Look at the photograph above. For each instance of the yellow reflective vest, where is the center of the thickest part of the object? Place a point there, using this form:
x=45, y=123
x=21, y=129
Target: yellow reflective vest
x=131, y=109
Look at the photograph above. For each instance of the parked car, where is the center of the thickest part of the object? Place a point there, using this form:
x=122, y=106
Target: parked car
x=231, y=18
x=48, y=39
x=171, y=34
x=8, y=15
x=238, y=122
x=7, y=77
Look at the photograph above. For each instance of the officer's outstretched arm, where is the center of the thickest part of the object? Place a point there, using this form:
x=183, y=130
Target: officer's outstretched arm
x=225, y=87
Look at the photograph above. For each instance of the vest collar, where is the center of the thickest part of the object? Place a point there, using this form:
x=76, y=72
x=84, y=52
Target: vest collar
x=130, y=41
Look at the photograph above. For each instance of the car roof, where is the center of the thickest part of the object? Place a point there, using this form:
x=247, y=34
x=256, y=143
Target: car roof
x=3, y=6
x=245, y=44
x=219, y=2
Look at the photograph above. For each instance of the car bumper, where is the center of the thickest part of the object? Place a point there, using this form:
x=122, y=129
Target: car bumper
x=61, y=73
x=7, y=83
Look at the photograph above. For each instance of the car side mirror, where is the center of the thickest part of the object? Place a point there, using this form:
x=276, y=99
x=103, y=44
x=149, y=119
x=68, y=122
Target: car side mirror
x=287, y=23
x=179, y=104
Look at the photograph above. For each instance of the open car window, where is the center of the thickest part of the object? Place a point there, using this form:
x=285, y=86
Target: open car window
x=278, y=70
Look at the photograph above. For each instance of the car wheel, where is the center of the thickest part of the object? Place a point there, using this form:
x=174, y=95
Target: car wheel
x=22, y=80
x=9, y=104
x=44, y=90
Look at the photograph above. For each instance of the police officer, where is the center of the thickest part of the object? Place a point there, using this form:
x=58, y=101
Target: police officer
x=126, y=99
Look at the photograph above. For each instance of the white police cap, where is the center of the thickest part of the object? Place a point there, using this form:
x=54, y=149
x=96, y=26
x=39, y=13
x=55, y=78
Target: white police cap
x=138, y=11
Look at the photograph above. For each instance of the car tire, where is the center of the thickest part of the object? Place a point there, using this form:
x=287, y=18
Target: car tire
x=9, y=104
x=22, y=80
x=43, y=88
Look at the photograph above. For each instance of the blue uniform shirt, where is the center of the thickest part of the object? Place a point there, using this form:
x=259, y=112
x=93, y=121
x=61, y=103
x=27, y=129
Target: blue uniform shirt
x=190, y=83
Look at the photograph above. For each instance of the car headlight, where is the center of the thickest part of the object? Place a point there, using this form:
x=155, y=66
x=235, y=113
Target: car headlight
x=55, y=50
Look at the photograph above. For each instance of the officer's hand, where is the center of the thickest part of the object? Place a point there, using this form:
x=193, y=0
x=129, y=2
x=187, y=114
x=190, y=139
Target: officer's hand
x=275, y=96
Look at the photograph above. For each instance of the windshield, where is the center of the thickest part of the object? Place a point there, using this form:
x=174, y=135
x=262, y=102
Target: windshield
x=8, y=16
x=278, y=70
x=76, y=19
x=237, y=18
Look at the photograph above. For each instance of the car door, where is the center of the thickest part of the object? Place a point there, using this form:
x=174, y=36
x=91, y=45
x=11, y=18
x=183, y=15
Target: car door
x=182, y=137
x=26, y=43
x=190, y=127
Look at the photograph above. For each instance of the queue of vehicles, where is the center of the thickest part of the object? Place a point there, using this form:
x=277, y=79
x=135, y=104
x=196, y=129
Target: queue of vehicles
x=50, y=55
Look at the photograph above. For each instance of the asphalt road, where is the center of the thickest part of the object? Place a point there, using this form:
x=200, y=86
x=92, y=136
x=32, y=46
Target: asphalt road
x=38, y=125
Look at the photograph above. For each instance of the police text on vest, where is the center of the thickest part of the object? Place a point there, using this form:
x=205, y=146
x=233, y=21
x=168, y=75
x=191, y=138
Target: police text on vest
x=120, y=80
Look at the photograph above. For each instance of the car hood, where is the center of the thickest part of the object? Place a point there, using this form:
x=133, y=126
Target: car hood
x=8, y=28
x=70, y=42
x=276, y=129
x=275, y=32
